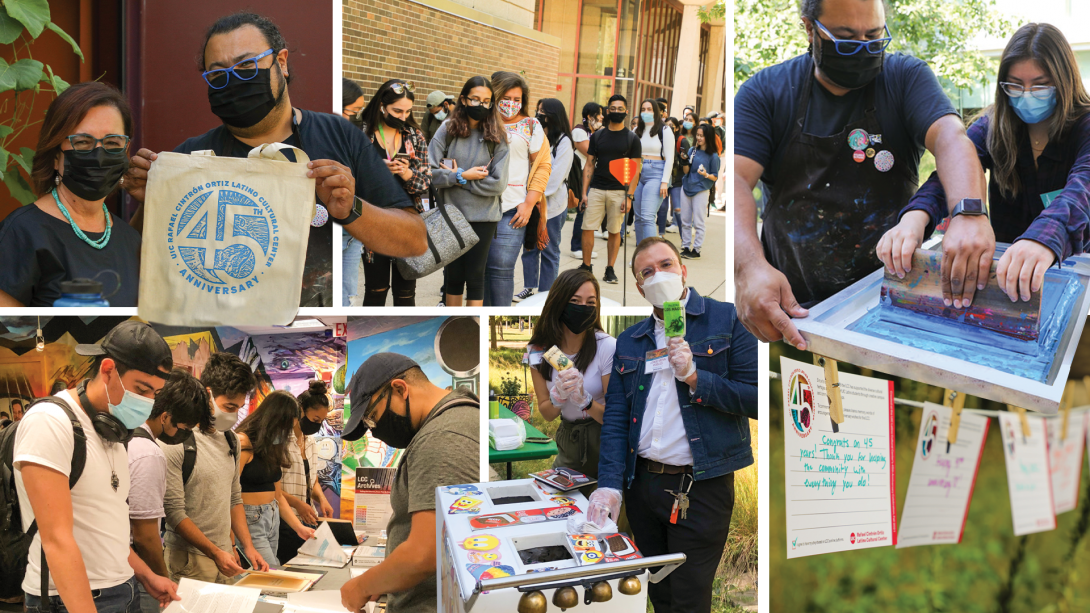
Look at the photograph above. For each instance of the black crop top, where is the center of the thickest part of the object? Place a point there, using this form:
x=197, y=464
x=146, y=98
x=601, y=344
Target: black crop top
x=257, y=476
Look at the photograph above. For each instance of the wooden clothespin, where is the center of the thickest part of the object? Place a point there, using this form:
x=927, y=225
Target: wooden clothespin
x=1021, y=417
x=832, y=388
x=955, y=401
x=1065, y=407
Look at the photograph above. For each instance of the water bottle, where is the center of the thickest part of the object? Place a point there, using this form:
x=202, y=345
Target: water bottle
x=81, y=293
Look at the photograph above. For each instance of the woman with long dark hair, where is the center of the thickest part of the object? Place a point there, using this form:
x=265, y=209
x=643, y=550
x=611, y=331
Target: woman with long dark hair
x=469, y=169
x=300, y=481
x=540, y=266
x=388, y=121
x=528, y=176
x=703, y=166
x=570, y=321
x=351, y=249
x=1035, y=140
x=264, y=437
x=669, y=216
x=580, y=135
x=68, y=233
x=658, y=157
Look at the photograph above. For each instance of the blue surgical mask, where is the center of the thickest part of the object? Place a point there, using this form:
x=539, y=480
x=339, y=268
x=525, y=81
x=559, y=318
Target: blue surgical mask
x=647, y=117
x=133, y=409
x=1032, y=109
x=688, y=125
x=441, y=115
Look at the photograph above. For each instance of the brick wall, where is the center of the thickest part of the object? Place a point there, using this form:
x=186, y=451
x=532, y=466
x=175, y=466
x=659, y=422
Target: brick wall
x=387, y=39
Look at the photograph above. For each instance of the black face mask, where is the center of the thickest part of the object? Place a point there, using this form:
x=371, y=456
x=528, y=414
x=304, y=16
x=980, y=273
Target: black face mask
x=178, y=438
x=394, y=122
x=616, y=117
x=93, y=174
x=578, y=317
x=542, y=119
x=847, y=71
x=477, y=113
x=393, y=429
x=357, y=120
x=309, y=427
x=243, y=104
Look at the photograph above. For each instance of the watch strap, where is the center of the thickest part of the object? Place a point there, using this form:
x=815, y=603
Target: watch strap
x=353, y=215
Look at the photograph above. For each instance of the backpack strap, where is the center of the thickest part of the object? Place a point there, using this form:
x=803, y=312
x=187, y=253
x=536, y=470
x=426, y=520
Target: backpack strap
x=139, y=432
x=189, y=458
x=232, y=442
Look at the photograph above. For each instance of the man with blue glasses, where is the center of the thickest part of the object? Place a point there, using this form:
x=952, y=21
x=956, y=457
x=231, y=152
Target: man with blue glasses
x=245, y=67
x=836, y=136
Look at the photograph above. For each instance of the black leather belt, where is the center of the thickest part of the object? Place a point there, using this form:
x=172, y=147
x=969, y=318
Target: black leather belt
x=659, y=468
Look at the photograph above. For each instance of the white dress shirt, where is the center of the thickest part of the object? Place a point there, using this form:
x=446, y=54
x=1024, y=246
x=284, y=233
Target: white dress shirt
x=662, y=435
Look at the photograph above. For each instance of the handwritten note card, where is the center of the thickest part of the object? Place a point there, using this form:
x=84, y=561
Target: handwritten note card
x=941, y=484
x=1065, y=459
x=1027, y=474
x=840, y=487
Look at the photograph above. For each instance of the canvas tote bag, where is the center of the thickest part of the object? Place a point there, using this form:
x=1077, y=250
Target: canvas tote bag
x=225, y=239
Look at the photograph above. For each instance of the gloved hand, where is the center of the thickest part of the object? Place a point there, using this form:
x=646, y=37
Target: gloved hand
x=681, y=358
x=571, y=382
x=557, y=394
x=604, y=503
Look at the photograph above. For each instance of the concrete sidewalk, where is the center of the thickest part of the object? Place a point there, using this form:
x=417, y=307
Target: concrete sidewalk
x=707, y=275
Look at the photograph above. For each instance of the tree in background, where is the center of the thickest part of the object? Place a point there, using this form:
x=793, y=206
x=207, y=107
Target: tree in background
x=940, y=33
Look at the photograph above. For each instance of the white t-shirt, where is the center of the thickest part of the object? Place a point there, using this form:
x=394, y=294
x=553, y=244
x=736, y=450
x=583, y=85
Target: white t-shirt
x=579, y=135
x=654, y=146
x=524, y=137
x=592, y=378
x=100, y=514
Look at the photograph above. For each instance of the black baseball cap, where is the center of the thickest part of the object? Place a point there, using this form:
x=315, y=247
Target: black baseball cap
x=136, y=345
x=370, y=377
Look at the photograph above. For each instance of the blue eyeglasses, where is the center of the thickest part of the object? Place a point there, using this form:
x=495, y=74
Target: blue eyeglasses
x=851, y=47
x=245, y=70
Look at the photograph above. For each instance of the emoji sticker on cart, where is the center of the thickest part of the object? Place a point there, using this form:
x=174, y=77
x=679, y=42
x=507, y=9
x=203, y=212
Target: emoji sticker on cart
x=483, y=571
x=481, y=542
x=484, y=557
x=462, y=490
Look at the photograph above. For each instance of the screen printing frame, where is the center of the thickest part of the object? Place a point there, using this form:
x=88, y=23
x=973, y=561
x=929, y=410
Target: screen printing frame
x=826, y=334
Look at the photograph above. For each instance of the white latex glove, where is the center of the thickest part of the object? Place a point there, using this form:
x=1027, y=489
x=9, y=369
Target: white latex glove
x=605, y=502
x=557, y=394
x=571, y=381
x=681, y=358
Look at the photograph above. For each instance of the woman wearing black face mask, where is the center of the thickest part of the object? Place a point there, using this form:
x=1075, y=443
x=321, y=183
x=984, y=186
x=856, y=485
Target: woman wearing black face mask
x=68, y=233
x=300, y=481
x=388, y=121
x=570, y=321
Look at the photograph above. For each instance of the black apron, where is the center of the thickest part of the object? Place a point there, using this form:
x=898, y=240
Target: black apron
x=833, y=202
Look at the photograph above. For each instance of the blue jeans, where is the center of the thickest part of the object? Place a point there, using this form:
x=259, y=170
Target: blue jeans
x=116, y=599
x=577, y=233
x=144, y=602
x=263, y=520
x=647, y=199
x=549, y=259
x=351, y=254
x=499, y=272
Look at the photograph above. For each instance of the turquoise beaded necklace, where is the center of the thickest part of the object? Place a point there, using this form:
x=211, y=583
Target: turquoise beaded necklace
x=100, y=243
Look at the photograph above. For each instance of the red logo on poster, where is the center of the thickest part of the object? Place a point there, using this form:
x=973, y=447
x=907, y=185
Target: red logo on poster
x=853, y=538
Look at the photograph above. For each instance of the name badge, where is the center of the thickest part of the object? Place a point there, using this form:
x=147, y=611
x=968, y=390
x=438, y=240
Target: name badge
x=657, y=360
x=534, y=358
x=1050, y=196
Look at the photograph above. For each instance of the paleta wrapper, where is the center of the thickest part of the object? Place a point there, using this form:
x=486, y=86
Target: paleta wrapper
x=556, y=358
x=673, y=318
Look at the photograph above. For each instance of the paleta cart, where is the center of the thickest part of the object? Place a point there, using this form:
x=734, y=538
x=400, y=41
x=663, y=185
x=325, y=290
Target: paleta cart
x=504, y=547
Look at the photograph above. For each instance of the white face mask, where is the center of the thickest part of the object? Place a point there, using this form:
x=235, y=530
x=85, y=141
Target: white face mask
x=222, y=420
x=663, y=287
x=441, y=115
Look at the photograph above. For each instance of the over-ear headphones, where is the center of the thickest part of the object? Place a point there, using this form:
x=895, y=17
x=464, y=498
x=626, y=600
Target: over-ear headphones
x=106, y=425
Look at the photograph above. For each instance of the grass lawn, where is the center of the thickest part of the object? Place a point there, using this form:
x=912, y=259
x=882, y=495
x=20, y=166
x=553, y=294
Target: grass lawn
x=740, y=556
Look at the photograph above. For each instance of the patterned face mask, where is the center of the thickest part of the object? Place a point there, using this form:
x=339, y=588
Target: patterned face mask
x=509, y=108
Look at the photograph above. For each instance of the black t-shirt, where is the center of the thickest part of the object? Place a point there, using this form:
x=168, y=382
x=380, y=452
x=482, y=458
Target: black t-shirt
x=324, y=137
x=607, y=145
x=908, y=99
x=38, y=251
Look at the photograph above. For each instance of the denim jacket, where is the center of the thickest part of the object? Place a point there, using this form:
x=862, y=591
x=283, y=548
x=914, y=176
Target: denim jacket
x=716, y=415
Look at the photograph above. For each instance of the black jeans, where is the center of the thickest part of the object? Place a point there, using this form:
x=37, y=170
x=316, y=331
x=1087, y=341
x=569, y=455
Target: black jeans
x=702, y=536
x=466, y=274
x=288, y=545
x=377, y=281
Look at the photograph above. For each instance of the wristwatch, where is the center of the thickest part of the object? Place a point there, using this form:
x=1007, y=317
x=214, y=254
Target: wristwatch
x=968, y=206
x=353, y=215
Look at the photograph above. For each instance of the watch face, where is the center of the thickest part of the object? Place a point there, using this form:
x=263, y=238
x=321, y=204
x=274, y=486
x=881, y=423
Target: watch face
x=972, y=206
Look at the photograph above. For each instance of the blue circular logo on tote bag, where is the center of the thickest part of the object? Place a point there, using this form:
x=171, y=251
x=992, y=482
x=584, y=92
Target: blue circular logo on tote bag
x=222, y=237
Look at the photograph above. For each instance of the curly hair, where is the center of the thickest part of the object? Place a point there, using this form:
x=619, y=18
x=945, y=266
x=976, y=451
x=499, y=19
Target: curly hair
x=185, y=399
x=227, y=375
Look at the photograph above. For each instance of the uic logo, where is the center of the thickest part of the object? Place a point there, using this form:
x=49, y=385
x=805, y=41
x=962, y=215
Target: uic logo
x=223, y=236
